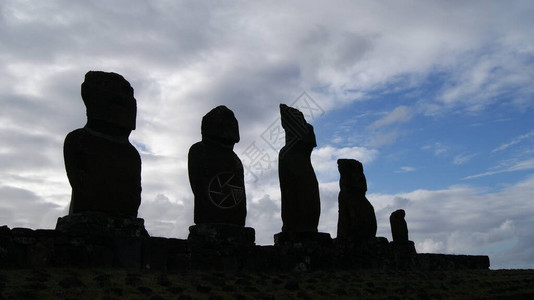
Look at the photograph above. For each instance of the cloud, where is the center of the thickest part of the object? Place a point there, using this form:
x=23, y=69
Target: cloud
x=324, y=159
x=23, y=208
x=400, y=114
x=381, y=131
x=514, y=141
x=164, y=217
x=438, y=148
x=405, y=169
x=461, y=159
x=264, y=215
x=522, y=165
x=486, y=79
x=384, y=138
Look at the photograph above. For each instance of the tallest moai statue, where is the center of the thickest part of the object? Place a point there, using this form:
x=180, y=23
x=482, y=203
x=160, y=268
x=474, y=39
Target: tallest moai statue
x=301, y=206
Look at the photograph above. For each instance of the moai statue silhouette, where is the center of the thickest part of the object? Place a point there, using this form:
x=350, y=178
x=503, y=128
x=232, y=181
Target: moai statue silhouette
x=357, y=220
x=301, y=206
x=216, y=173
x=399, y=228
x=103, y=168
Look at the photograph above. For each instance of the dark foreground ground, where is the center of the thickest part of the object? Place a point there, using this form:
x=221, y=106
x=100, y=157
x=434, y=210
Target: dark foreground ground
x=96, y=284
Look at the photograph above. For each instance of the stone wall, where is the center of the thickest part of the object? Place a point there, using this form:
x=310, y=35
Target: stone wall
x=23, y=247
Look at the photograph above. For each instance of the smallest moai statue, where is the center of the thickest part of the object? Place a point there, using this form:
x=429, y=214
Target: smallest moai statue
x=403, y=250
x=399, y=228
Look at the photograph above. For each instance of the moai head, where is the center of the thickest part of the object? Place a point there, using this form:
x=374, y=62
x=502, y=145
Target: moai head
x=220, y=125
x=109, y=97
x=295, y=126
x=351, y=174
x=399, y=214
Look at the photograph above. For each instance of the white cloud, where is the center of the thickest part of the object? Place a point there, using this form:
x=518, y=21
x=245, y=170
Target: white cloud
x=381, y=131
x=165, y=217
x=324, y=159
x=463, y=158
x=405, y=169
x=438, y=148
x=522, y=165
x=430, y=246
x=387, y=137
x=514, y=141
x=400, y=114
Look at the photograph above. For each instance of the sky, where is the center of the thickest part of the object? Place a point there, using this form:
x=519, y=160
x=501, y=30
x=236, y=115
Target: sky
x=435, y=98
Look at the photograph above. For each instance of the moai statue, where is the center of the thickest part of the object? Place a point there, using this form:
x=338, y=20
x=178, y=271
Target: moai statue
x=216, y=173
x=301, y=205
x=357, y=220
x=403, y=250
x=103, y=168
x=399, y=228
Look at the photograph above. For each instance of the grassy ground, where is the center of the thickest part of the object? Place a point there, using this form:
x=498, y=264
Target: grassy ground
x=96, y=284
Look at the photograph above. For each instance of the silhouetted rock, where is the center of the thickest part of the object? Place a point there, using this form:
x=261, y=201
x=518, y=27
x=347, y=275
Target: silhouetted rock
x=357, y=220
x=103, y=168
x=216, y=173
x=399, y=228
x=301, y=205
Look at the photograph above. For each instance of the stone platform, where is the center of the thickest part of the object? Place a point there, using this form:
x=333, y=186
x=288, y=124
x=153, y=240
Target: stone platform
x=214, y=250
